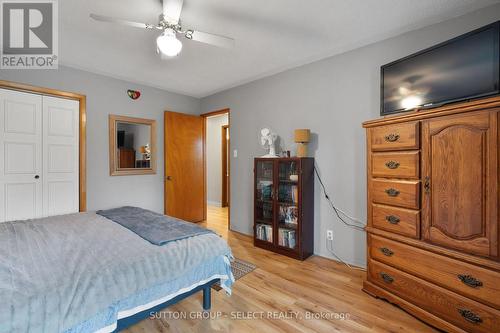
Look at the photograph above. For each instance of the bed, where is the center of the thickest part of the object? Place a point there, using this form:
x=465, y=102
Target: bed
x=83, y=272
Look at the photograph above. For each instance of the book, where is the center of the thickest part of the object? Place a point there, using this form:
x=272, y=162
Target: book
x=288, y=193
x=295, y=194
x=265, y=190
x=264, y=232
x=286, y=238
x=289, y=214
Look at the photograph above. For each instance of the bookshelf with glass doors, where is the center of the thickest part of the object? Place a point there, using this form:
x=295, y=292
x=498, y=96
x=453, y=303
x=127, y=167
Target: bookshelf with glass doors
x=284, y=205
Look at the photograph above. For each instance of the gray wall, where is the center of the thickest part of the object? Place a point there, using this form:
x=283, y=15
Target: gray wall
x=332, y=97
x=109, y=96
x=214, y=158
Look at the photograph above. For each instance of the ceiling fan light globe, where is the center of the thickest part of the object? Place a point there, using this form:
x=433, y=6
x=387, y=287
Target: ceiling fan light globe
x=168, y=44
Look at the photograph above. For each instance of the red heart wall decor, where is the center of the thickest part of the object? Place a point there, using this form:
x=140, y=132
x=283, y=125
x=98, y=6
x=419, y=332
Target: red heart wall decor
x=134, y=94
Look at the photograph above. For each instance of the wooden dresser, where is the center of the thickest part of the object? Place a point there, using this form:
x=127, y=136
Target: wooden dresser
x=433, y=223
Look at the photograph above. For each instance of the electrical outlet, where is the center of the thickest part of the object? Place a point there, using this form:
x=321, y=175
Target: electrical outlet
x=235, y=153
x=329, y=235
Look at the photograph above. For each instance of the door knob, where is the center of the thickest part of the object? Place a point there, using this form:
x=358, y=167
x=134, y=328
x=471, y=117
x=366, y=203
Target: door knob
x=37, y=177
x=169, y=177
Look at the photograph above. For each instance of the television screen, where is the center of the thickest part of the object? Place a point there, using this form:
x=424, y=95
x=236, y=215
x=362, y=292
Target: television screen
x=463, y=68
x=120, y=138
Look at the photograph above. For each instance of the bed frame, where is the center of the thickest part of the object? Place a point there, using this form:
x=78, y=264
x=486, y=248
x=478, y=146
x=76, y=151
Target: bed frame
x=132, y=320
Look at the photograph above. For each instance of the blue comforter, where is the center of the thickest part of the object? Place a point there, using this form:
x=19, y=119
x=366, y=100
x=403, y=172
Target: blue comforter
x=81, y=272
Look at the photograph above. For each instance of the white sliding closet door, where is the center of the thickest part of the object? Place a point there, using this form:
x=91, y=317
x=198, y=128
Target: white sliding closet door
x=39, y=156
x=60, y=156
x=20, y=155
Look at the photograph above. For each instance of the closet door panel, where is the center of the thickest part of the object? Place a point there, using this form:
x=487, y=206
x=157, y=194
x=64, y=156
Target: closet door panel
x=20, y=155
x=61, y=155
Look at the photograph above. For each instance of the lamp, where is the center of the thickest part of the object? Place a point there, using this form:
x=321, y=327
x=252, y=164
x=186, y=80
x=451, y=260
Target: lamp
x=302, y=137
x=168, y=44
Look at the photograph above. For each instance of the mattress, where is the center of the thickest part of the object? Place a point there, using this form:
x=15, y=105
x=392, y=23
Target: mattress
x=83, y=272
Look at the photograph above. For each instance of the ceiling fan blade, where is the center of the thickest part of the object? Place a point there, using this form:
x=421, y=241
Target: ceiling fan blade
x=216, y=40
x=122, y=22
x=172, y=10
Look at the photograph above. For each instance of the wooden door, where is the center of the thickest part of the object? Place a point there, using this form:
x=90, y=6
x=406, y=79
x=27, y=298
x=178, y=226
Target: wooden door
x=184, y=167
x=20, y=156
x=225, y=165
x=459, y=171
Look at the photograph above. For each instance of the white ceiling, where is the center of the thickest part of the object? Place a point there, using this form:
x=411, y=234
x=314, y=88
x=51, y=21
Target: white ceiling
x=271, y=36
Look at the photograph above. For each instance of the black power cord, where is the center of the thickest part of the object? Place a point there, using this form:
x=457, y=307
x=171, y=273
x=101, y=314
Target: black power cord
x=337, y=212
x=335, y=209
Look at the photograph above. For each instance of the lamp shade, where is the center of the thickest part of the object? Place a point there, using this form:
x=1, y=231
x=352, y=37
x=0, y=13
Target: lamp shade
x=302, y=135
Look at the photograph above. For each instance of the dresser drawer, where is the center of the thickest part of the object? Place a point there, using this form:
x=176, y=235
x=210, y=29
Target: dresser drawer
x=398, y=193
x=395, y=137
x=401, y=221
x=396, y=165
x=472, y=281
x=458, y=310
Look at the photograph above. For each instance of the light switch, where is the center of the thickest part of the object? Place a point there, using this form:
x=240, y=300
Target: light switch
x=235, y=153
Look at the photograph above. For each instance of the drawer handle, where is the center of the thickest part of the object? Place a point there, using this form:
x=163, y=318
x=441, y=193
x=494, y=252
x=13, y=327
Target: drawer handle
x=470, y=316
x=392, y=137
x=470, y=280
x=392, y=219
x=387, y=278
x=392, y=192
x=392, y=165
x=386, y=251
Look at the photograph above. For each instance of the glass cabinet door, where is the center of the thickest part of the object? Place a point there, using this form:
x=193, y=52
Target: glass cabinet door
x=288, y=208
x=264, y=196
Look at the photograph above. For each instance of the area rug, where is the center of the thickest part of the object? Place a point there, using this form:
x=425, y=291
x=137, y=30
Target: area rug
x=240, y=268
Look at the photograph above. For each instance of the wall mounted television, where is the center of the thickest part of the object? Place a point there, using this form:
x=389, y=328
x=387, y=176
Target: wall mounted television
x=463, y=68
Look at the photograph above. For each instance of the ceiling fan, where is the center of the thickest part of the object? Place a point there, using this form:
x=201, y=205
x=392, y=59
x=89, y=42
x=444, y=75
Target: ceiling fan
x=170, y=26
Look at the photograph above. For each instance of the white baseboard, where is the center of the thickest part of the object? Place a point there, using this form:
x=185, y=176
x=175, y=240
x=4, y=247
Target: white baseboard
x=214, y=203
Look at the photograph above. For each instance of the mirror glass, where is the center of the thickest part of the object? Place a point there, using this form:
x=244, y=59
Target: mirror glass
x=133, y=144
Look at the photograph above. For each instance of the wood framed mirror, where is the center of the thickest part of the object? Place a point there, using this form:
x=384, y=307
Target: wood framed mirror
x=132, y=146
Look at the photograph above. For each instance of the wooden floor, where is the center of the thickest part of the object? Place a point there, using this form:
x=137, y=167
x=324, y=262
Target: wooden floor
x=318, y=288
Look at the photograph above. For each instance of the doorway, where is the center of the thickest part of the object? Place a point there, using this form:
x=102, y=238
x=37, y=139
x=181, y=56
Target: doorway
x=197, y=188
x=217, y=147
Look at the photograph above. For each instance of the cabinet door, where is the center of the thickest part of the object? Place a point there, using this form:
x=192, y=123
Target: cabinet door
x=264, y=200
x=459, y=171
x=288, y=204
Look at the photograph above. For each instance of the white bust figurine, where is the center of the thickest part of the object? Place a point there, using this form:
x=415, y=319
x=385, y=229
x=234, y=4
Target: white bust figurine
x=268, y=140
